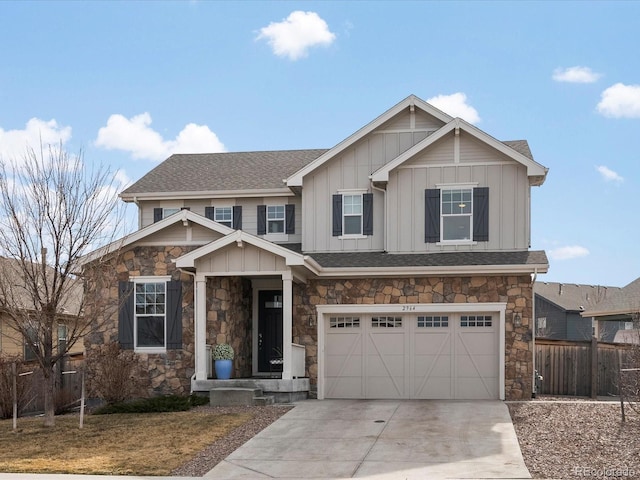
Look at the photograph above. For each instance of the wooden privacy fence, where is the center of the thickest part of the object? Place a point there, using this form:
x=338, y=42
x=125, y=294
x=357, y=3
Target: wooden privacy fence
x=585, y=368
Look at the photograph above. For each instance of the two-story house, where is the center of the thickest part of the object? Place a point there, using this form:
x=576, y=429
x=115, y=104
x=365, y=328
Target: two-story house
x=394, y=265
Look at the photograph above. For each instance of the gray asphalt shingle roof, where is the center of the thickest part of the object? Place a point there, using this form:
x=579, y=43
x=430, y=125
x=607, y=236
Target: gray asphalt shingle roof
x=224, y=171
x=206, y=172
x=448, y=259
x=625, y=299
x=573, y=296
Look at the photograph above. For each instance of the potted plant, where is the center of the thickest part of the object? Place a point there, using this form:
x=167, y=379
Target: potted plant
x=223, y=355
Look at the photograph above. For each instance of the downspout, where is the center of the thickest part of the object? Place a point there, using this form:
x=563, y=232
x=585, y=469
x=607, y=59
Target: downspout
x=533, y=332
x=386, y=230
x=195, y=316
x=135, y=200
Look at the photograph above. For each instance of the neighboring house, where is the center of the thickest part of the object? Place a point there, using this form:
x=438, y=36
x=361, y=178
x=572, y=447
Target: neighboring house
x=616, y=312
x=559, y=308
x=394, y=265
x=14, y=343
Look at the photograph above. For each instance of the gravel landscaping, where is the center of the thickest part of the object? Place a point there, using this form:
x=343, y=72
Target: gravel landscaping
x=217, y=451
x=569, y=438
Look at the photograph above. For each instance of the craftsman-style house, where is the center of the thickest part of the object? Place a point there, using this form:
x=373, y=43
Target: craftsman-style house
x=394, y=265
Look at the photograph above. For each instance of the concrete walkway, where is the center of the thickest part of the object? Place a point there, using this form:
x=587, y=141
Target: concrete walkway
x=380, y=440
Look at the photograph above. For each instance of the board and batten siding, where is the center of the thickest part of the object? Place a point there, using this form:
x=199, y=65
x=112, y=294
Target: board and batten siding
x=249, y=211
x=350, y=170
x=509, y=195
x=234, y=259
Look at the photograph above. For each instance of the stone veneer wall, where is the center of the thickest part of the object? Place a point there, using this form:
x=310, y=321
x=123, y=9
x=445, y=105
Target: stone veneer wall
x=515, y=291
x=170, y=372
x=229, y=312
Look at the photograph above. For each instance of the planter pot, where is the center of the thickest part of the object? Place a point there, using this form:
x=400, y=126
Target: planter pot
x=223, y=369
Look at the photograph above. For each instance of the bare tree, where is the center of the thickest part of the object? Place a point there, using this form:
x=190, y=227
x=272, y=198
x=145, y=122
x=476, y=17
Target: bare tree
x=53, y=210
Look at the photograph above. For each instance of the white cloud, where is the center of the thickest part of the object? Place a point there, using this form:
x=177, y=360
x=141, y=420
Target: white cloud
x=135, y=135
x=575, y=75
x=620, y=101
x=455, y=105
x=568, y=252
x=14, y=143
x=609, y=175
x=295, y=35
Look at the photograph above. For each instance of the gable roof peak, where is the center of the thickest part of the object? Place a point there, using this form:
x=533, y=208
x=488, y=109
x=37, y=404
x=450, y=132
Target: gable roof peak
x=295, y=180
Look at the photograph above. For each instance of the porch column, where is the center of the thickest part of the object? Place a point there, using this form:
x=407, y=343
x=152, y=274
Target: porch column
x=200, y=328
x=287, y=324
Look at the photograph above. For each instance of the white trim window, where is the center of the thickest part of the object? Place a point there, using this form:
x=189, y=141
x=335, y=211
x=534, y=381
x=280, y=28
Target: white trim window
x=167, y=212
x=224, y=215
x=456, y=214
x=352, y=214
x=150, y=322
x=275, y=218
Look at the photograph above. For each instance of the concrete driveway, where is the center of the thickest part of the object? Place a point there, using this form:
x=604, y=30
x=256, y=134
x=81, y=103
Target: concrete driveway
x=382, y=439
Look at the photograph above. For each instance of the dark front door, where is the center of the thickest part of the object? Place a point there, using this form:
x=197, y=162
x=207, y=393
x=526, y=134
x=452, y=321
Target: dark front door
x=270, y=331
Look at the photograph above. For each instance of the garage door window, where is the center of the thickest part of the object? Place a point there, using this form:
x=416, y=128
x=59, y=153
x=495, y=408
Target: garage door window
x=344, y=322
x=475, y=321
x=435, y=321
x=386, y=322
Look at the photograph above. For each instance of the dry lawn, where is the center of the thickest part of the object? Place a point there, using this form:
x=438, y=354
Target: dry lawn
x=577, y=439
x=120, y=444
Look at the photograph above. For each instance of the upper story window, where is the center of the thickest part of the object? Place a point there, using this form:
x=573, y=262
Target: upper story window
x=352, y=214
x=161, y=213
x=224, y=215
x=228, y=216
x=150, y=315
x=457, y=208
x=457, y=214
x=276, y=220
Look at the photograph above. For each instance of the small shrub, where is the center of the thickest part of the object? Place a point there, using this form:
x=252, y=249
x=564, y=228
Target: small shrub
x=114, y=374
x=169, y=403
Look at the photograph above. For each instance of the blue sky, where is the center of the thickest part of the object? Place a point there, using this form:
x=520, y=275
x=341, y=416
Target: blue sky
x=132, y=82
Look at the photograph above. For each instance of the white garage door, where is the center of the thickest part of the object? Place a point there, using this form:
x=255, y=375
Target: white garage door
x=421, y=356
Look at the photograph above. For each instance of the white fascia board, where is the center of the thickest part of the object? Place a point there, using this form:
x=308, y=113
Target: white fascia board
x=295, y=180
x=270, y=192
x=238, y=236
x=182, y=216
x=534, y=169
x=606, y=313
x=359, y=272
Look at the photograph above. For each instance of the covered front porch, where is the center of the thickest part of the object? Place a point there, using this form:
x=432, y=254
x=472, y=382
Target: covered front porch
x=244, y=297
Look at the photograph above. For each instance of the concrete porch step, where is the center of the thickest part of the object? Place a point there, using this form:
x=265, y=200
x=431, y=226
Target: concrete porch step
x=229, y=396
x=264, y=400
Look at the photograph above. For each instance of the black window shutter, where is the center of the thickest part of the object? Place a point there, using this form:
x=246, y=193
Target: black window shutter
x=262, y=219
x=337, y=215
x=432, y=215
x=125, y=315
x=174, y=315
x=290, y=218
x=367, y=218
x=237, y=217
x=157, y=214
x=208, y=212
x=481, y=214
